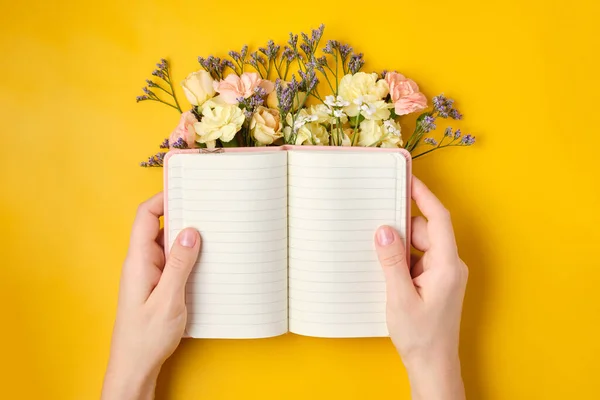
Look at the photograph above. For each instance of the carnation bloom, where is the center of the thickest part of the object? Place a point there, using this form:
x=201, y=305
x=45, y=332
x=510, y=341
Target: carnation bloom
x=234, y=87
x=184, y=130
x=405, y=94
x=361, y=88
x=218, y=122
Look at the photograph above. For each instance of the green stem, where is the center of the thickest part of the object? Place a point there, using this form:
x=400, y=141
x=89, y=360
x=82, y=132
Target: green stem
x=328, y=81
x=164, y=102
x=163, y=89
x=336, y=74
x=435, y=148
x=178, y=107
x=355, y=136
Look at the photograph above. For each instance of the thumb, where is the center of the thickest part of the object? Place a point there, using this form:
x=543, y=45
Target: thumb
x=392, y=257
x=181, y=260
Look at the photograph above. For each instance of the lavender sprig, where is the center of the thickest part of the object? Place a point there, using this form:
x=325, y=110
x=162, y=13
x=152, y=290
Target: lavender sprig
x=215, y=66
x=356, y=63
x=154, y=161
x=256, y=61
x=163, y=73
x=180, y=144
x=443, y=107
x=239, y=59
x=456, y=140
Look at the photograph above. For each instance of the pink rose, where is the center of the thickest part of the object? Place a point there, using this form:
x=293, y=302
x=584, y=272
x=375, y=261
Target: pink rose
x=185, y=130
x=233, y=87
x=405, y=94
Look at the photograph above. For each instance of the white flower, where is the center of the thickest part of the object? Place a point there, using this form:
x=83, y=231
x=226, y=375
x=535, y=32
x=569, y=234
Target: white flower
x=361, y=88
x=198, y=87
x=338, y=101
x=392, y=127
x=218, y=122
x=307, y=128
x=376, y=110
x=373, y=133
x=338, y=113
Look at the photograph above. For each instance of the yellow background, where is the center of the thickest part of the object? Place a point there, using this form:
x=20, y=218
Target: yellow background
x=525, y=200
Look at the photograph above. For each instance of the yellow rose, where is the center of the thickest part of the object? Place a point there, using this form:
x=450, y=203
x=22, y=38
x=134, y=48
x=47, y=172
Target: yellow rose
x=218, y=122
x=361, y=88
x=265, y=126
x=273, y=101
x=374, y=132
x=198, y=87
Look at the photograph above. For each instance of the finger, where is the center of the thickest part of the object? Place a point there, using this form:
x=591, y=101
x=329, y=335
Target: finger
x=419, y=236
x=414, y=259
x=392, y=257
x=146, y=224
x=160, y=239
x=417, y=269
x=439, y=225
x=181, y=260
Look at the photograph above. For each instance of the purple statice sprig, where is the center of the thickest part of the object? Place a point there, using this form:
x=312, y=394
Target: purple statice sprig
x=443, y=107
x=310, y=43
x=286, y=95
x=456, y=139
x=250, y=104
x=271, y=52
x=338, y=59
x=154, y=161
x=239, y=59
x=153, y=88
x=164, y=144
x=216, y=66
x=257, y=61
x=179, y=144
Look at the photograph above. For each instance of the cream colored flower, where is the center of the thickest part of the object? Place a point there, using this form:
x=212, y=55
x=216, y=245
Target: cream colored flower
x=198, y=87
x=308, y=130
x=378, y=110
x=322, y=112
x=327, y=115
x=218, y=122
x=376, y=133
x=347, y=140
x=265, y=126
x=361, y=88
x=319, y=134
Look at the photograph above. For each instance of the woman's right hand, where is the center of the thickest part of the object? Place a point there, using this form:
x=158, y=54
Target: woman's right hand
x=424, y=303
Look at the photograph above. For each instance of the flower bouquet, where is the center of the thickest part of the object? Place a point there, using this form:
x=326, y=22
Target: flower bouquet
x=299, y=94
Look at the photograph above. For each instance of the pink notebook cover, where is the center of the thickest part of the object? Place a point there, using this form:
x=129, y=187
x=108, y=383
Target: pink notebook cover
x=405, y=153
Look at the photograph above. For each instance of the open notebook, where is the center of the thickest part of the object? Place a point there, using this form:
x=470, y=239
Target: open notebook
x=287, y=237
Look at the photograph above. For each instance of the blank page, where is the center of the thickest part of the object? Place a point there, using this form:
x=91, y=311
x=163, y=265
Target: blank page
x=336, y=201
x=238, y=202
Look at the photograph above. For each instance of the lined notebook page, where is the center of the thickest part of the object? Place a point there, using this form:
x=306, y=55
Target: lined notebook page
x=238, y=202
x=336, y=201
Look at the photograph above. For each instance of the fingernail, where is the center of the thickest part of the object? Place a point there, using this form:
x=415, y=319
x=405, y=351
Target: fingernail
x=188, y=238
x=385, y=236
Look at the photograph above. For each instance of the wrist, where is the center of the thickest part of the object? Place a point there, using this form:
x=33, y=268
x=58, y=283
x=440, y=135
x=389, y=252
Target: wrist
x=123, y=382
x=435, y=375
